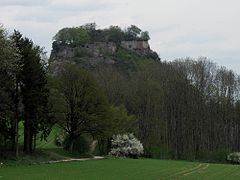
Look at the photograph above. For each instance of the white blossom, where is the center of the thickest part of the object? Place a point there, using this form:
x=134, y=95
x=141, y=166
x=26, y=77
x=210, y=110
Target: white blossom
x=126, y=145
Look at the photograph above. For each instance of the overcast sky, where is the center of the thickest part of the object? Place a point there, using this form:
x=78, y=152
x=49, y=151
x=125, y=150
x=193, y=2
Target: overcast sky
x=178, y=28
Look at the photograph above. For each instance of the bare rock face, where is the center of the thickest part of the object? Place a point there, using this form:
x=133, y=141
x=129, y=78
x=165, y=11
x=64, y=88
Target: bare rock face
x=87, y=54
x=94, y=53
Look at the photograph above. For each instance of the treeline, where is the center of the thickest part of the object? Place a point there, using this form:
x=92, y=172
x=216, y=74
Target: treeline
x=186, y=109
x=88, y=33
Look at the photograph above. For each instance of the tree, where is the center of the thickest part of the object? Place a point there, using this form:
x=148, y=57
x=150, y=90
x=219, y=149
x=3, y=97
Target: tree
x=8, y=71
x=133, y=32
x=85, y=104
x=114, y=34
x=74, y=36
x=119, y=121
x=145, y=35
x=34, y=91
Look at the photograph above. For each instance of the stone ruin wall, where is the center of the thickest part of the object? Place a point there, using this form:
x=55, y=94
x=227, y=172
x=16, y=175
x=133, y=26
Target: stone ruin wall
x=135, y=45
x=100, y=49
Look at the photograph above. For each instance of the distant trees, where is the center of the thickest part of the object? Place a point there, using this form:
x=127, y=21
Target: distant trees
x=77, y=36
x=135, y=33
x=72, y=36
x=219, y=94
x=145, y=35
x=186, y=109
x=114, y=34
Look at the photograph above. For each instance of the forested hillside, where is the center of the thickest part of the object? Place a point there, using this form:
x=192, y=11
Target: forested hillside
x=102, y=82
x=186, y=109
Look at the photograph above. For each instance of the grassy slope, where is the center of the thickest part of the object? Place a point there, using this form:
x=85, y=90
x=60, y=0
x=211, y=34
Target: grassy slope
x=41, y=143
x=46, y=151
x=122, y=169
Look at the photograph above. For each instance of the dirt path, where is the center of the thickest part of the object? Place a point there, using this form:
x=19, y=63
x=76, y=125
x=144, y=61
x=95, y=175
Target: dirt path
x=75, y=159
x=201, y=168
x=186, y=172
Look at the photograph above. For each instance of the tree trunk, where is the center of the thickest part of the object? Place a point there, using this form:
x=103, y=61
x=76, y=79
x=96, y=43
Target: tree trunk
x=16, y=120
x=34, y=142
x=16, y=139
x=71, y=146
x=27, y=137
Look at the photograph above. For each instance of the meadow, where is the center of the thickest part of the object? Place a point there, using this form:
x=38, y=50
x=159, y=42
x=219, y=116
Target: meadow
x=33, y=167
x=122, y=169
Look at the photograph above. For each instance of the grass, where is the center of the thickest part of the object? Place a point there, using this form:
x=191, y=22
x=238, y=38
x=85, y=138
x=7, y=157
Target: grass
x=31, y=167
x=42, y=144
x=46, y=151
x=122, y=169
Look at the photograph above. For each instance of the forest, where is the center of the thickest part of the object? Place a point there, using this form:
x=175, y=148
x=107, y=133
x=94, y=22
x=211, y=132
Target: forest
x=182, y=109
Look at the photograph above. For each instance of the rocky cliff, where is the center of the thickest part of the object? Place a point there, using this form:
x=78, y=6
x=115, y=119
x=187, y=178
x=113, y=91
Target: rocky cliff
x=92, y=53
x=89, y=52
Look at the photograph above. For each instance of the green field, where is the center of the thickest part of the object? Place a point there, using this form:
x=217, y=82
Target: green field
x=114, y=169
x=122, y=169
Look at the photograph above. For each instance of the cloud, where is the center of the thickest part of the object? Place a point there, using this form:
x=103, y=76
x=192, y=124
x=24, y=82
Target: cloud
x=82, y=6
x=24, y=2
x=59, y=10
x=177, y=28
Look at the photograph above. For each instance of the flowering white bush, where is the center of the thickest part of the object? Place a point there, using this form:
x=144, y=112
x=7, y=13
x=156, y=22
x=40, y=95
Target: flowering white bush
x=234, y=157
x=126, y=145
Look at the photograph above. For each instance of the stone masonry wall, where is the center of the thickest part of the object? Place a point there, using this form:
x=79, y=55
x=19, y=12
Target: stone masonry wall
x=135, y=45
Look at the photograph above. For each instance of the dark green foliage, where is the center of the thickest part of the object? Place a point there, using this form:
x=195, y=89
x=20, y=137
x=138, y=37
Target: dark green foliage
x=184, y=110
x=80, y=144
x=135, y=33
x=8, y=71
x=85, y=104
x=114, y=34
x=34, y=91
x=77, y=36
x=145, y=35
x=129, y=61
x=72, y=36
x=118, y=121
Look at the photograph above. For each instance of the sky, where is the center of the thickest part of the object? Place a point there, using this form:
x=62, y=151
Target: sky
x=178, y=29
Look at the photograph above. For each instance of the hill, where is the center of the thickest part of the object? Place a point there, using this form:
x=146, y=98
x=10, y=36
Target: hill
x=186, y=109
x=90, y=47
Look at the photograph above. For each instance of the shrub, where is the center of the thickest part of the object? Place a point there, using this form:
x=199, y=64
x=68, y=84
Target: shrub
x=126, y=145
x=80, y=145
x=234, y=157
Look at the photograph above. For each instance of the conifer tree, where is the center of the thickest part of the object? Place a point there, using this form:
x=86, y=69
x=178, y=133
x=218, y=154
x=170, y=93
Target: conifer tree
x=34, y=91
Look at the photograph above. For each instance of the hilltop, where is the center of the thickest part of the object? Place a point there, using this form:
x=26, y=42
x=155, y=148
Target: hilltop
x=89, y=46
